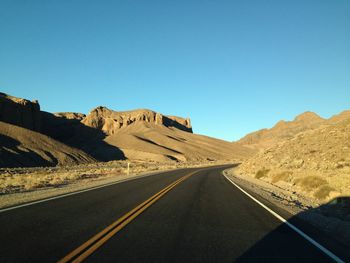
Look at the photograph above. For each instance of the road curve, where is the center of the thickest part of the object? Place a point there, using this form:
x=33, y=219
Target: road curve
x=203, y=218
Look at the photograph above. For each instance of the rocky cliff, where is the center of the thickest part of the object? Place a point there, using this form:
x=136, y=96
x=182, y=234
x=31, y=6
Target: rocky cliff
x=20, y=112
x=110, y=121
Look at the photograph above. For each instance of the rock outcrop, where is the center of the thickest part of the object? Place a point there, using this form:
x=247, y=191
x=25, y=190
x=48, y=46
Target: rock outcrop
x=20, y=112
x=70, y=115
x=178, y=122
x=110, y=121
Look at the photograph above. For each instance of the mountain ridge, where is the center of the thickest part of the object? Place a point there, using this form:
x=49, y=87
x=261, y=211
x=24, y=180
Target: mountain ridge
x=106, y=135
x=283, y=130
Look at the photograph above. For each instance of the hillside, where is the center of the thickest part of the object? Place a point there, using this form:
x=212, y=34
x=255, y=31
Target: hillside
x=138, y=135
x=315, y=162
x=148, y=141
x=22, y=147
x=281, y=131
x=38, y=138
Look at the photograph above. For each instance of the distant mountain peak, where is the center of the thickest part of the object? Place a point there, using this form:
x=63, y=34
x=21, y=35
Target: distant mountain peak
x=283, y=130
x=308, y=116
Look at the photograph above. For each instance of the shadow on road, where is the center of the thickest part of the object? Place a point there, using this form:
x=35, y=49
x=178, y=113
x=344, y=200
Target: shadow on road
x=330, y=227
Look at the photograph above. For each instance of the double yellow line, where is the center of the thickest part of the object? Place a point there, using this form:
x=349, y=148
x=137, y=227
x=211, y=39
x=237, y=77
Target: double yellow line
x=82, y=252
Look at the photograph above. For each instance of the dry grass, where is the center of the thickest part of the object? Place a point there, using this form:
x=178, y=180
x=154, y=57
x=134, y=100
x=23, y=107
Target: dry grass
x=323, y=192
x=28, y=179
x=310, y=183
x=319, y=159
x=283, y=176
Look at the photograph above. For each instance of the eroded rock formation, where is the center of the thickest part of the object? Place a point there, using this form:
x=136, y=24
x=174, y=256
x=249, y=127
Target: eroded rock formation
x=20, y=112
x=110, y=121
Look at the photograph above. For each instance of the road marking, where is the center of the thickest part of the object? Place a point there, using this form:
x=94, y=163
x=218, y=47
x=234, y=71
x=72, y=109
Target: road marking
x=79, y=191
x=82, y=252
x=308, y=238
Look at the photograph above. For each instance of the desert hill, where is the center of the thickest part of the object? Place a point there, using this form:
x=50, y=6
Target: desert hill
x=345, y=115
x=315, y=162
x=148, y=141
x=20, y=147
x=103, y=135
x=138, y=135
x=284, y=130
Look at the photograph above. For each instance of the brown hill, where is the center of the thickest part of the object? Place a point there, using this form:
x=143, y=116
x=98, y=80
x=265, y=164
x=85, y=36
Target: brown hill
x=281, y=131
x=139, y=134
x=315, y=162
x=149, y=141
x=22, y=147
x=345, y=115
x=102, y=135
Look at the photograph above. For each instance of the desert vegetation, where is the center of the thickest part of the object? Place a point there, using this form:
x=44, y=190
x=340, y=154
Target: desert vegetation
x=314, y=162
x=14, y=180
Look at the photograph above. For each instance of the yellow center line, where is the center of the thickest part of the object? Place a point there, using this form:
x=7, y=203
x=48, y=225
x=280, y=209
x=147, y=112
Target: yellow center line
x=91, y=245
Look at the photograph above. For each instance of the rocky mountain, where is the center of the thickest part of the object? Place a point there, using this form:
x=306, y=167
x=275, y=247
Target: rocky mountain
x=287, y=129
x=137, y=135
x=105, y=135
x=110, y=121
x=315, y=161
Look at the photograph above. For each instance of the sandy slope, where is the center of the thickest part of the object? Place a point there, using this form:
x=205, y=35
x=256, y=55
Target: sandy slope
x=23, y=147
x=150, y=141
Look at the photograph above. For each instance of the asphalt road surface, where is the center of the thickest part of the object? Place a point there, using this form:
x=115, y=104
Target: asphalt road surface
x=200, y=218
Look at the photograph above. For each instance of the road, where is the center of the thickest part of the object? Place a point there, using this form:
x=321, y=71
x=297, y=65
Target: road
x=203, y=218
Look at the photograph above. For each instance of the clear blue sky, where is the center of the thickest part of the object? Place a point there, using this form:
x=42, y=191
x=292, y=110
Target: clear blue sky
x=231, y=66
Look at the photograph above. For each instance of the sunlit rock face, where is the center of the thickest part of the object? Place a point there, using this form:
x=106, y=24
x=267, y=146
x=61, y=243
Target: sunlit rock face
x=110, y=121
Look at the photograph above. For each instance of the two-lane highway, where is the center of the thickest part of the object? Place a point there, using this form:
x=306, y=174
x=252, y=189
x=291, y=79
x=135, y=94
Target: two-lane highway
x=187, y=215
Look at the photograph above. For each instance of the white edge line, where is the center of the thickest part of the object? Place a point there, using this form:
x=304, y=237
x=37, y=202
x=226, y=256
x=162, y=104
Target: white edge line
x=308, y=238
x=79, y=191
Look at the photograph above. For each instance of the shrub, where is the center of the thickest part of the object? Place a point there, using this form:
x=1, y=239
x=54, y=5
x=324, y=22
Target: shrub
x=310, y=183
x=284, y=176
x=261, y=173
x=323, y=192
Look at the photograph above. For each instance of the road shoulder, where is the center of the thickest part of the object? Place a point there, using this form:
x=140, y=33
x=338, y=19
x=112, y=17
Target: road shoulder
x=293, y=207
